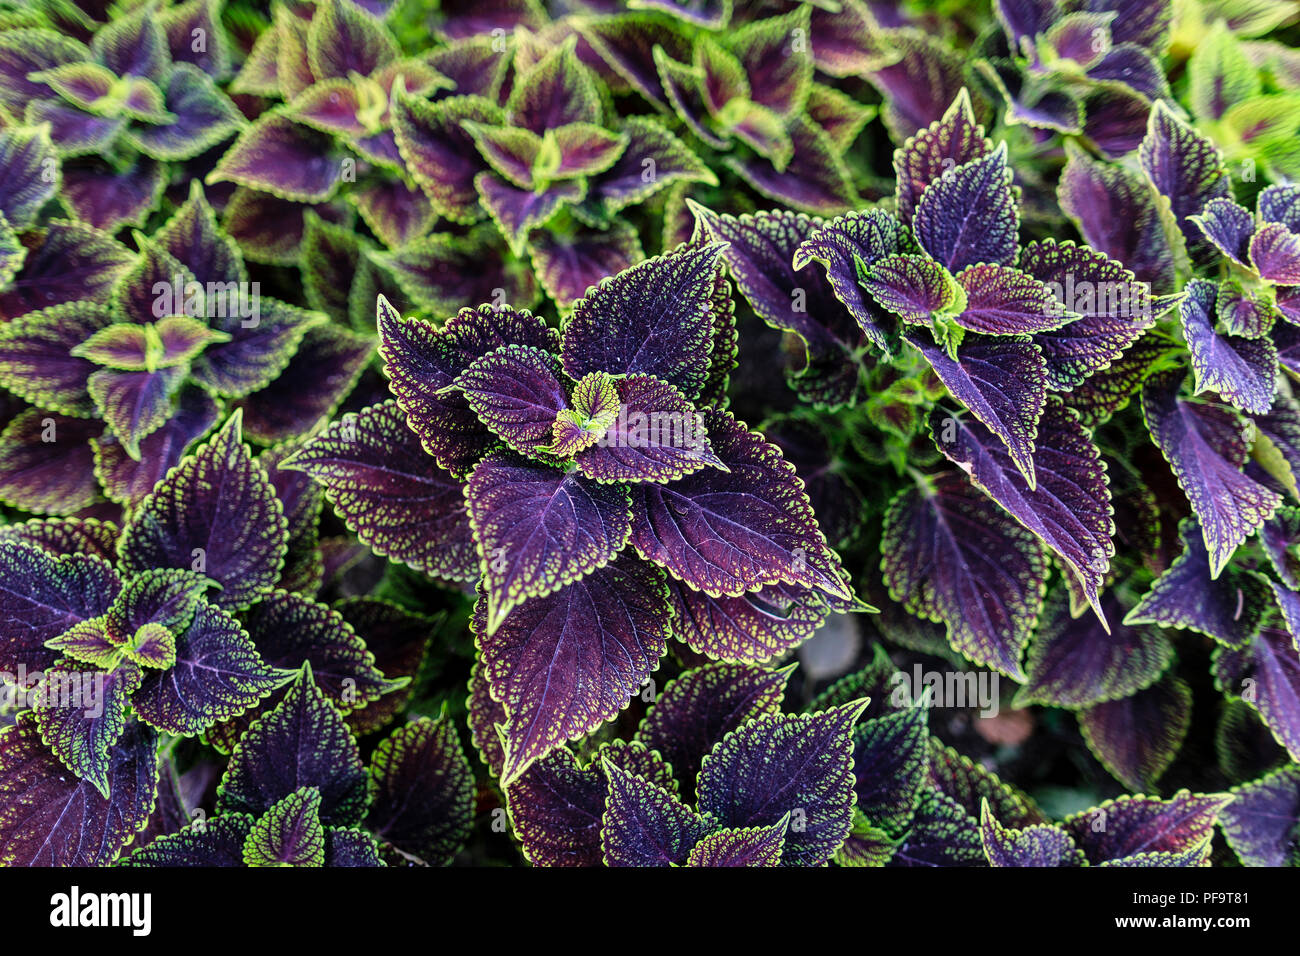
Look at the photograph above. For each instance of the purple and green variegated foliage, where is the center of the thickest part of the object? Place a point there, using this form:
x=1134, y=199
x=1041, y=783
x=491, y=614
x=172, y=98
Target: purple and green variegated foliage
x=582, y=480
x=563, y=373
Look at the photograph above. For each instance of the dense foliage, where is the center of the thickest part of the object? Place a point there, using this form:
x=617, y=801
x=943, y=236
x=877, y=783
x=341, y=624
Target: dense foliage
x=662, y=432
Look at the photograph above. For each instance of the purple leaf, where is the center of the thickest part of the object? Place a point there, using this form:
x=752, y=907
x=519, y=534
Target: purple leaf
x=302, y=742
x=73, y=131
x=48, y=817
x=36, y=360
x=1115, y=212
x=399, y=641
x=1275, y=254
x=1137, y=737
x=24, y=154
x=1229, y=608
x=890, y=755
x=922, y=79
x=473, y=64
x=970, y=216
x=1279, y=536
x=1108, y=390
x=1244, y=313
x=215, y=842
x=838, y=246
x=945, y=144
x=1186, y=170
x=134, y=45
x=565, y=663
x=81, y=714
x=623, y=326
x=539, y=529
x=26, y=51
x=1266, y=674
x=396, y=212
x=108, y=198
x=913, y=287
x=626, y=43
x=134, y=404
x=568, y=266
x=1001, y=300
x=1241, y=370
x=1074, y=662
x=1002, y=382
x=950, y=555
x=1280, y=203
x=422, y=791
x=439, y=154
x=1118, y=829
x=74, y=263
x=1114, y=309
x=128, y=481
x=264, y=336
x=799, y=300
x=556, y=806
x=746, y=846
x=203, y=117
x=290, y=630
x=780, y=764
x=1069, y=506
x=1040, y=845
x=181, y=21
x=42, y=596
x=1136, y=21
x=755, y=626
x=625, y=182
x=729, y=532
x=442, y=273
x=65, y=536
x=390, y=493
x=645, y=824
x=516, y=392
x=970, y=783
x=1206, y=445
x=847, y=40
x=556, y=91
x=699, y=708
x=284, y=158
x=344, y=40
x=270, y=229
x=815, y=180
x=47, y=463
x=517, y=211
x=217, y=674
x=1229, y=227
x=656, y=436
x=217, y=514
x=942, y=834
x=1260, y=822
x=422, y=361
x=322, y=372
x=774, y=54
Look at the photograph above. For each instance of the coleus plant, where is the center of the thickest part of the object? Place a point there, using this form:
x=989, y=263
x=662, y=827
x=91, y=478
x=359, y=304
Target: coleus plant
x=544, y=157
x=588, y=480
x=1070, y=463
x=140, y=93
x=152, y=345
x=1005, y=358
x=126, y=641
x=1089, y=68
x=296, y=793
x=716, y=774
